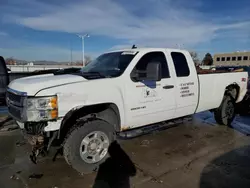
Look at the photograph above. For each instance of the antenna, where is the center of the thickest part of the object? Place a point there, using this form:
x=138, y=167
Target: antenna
x=134, y=47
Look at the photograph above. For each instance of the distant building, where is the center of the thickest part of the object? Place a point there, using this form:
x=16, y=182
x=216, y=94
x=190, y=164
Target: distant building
x=30, y=64
x=232, y=59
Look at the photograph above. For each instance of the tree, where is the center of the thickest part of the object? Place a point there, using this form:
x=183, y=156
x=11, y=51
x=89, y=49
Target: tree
x=87, y=60
x=195, y=58
x=208, y=59
x=10, y=61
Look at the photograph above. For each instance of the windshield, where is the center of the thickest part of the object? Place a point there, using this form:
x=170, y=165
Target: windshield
x=109, y=64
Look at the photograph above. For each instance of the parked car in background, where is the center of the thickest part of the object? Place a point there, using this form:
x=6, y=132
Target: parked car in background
x=4, y=80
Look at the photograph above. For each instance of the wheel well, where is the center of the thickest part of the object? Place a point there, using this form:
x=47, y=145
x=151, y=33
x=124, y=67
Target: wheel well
x=108, y=112
x=233, y=90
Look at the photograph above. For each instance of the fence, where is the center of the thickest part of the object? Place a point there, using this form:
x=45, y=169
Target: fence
x=31, y=68
x=6, y=78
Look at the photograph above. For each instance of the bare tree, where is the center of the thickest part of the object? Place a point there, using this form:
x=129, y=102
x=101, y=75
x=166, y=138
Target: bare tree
x=10, y=61
x=195, y=58
x=87, y=59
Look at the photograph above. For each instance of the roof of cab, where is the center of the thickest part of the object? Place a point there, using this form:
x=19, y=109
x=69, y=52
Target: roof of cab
x=147, y=50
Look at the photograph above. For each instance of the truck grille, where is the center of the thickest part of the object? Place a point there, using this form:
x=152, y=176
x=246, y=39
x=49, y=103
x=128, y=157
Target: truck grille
x=15, y=102
x=14, y=97
x=15, y=112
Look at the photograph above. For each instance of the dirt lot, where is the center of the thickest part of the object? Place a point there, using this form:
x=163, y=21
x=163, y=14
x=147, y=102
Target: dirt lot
x=191, y=155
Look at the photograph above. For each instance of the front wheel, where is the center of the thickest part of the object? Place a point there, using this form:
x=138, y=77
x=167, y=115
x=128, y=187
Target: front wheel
x=225, y=114
x=86, y=146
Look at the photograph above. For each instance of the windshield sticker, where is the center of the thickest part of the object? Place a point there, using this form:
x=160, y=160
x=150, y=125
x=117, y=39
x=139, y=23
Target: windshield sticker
x=129, y=53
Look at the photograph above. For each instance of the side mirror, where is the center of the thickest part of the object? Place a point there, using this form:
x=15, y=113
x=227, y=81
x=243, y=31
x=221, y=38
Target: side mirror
x=153, y=72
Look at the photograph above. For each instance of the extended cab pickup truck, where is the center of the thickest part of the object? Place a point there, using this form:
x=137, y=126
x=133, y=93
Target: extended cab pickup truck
x=117, y=92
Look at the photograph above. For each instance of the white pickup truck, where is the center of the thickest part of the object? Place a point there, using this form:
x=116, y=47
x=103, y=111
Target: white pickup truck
x=119, y=91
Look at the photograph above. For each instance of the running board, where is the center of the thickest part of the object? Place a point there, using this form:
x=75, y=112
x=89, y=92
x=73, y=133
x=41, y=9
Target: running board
x=151, y=128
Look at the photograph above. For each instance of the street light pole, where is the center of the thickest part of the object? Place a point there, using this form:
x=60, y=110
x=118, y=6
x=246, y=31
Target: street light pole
x=82, y=38
x=71, y=63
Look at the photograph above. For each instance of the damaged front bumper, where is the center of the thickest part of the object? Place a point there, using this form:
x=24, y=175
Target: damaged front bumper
x=38, y=146
x=39, y=139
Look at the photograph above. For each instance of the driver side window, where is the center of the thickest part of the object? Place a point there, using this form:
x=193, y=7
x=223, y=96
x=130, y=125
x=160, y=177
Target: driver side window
x=141, y=66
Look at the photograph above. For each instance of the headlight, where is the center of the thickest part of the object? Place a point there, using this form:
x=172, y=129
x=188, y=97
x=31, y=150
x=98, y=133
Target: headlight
x=41, y=108
x=41, y=103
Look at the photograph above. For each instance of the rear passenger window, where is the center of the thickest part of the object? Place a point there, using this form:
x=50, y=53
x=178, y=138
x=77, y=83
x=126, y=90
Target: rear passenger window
x=180, y=64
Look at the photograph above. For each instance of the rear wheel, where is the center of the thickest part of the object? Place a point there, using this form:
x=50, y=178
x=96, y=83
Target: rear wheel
x=86, y=146
x=225, y=114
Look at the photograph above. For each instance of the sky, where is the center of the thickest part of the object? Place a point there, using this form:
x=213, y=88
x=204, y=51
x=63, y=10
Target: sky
x=47, y=29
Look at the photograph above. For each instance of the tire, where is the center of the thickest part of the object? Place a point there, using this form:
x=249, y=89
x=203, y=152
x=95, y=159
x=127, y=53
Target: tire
x=74, y=144
x=225, y=114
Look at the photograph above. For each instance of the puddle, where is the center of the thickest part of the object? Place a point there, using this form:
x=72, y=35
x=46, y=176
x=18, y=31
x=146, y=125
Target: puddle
x=240, y=123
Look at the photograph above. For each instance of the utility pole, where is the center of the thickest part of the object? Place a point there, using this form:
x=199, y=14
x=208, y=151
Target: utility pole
x=71, y=63
x=82, y=37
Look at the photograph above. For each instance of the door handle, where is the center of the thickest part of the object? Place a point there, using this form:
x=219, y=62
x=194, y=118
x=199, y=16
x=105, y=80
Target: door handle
x=168, y=86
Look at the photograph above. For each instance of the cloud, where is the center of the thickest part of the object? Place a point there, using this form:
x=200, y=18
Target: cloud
x=164, y=25
x=3, y=33
x=154, y=23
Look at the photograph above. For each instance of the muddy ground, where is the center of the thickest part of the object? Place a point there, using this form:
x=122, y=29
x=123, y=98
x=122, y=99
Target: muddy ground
x=196, y=154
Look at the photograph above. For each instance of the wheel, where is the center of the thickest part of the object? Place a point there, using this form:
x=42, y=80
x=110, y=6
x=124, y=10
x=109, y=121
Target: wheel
x=86, y=145
x=225, y=114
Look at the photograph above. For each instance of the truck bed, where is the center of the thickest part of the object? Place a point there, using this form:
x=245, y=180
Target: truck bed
x=212, y=87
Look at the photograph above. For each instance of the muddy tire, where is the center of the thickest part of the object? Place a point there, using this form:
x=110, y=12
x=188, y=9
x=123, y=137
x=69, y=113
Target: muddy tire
x=225, y=114
x=86, y=145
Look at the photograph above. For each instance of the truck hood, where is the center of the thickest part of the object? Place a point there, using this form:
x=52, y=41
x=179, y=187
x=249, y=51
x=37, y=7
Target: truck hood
x=32, y=84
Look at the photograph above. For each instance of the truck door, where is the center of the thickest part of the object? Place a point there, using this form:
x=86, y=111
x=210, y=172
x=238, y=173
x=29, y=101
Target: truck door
x=150, y=102
x=4, y=80
x=186, y=81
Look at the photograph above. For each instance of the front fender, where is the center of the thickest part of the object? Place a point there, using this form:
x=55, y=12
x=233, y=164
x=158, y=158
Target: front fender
x=72, y=97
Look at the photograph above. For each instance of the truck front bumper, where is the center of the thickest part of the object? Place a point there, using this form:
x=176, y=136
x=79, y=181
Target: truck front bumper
x=47, y=127
x=40, y=136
